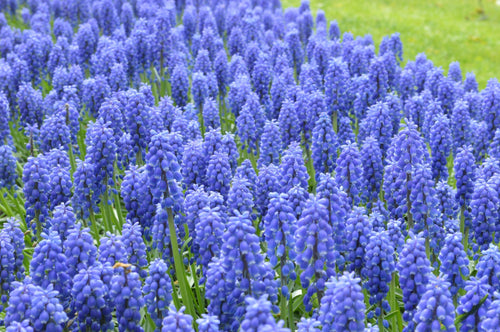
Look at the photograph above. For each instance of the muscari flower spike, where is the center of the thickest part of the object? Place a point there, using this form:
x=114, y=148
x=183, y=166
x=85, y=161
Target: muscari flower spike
x=158, y=291
x=342, y=307
x=125, y=290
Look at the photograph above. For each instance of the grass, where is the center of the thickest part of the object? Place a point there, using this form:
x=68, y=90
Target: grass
x=446, y=30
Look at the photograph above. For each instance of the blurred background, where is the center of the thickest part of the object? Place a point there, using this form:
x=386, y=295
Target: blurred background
x=467, y=31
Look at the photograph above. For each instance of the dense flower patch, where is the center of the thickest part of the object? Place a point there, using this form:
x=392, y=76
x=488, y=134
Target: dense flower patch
x=235, y=166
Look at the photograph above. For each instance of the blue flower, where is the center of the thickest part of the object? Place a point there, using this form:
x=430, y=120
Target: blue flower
x=86, y=193
x=441, y=144
x=308, y=325
x=373, y=168
x=454, y=262
x=126, y=292
x=135, y=247
x=379, y=124
x=49, y=265
x=336, y=83
x=112, y=249
x=315, y=249
x=101, y=153
x=476, y=289
x=484, y=214
x=491, y=106
x=258, y=315
x=292, y=170
x=324, y=145
x=36, y=192
x=349, y=172
x=378, y=269
x=163, y=171
x=491, y=320
x=89, y=294
x=8, y=161
x=414, y=272
x=12, y=231
x=158, y=291
x=435, y=310
x=343, y=308
x=137, y=120
x=279, y=231
x=219, y=173
x=460, y=124
x=488, y=265
x=79, y=249
x=47, y=314
x=208, y=323
x=177, y=321
x=270, y=144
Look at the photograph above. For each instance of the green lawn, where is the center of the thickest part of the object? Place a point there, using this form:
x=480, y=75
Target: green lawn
x=446, y=30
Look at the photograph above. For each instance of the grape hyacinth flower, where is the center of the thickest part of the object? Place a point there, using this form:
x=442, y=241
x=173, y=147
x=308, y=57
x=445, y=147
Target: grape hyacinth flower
x=441, y=144
x=158, y=291
x=47, y=314
x=79, y=249
x=279, y=230
x=19, y=308
x=324, y=145
x=373, y=168
x=86, y=193
x=89, y=300
x=8, y=173
x=414, y=272
x=435, y=311
x=338, y=211
x=349, y=172
x=12, y=231
x=342, y=308
x=358, y=232
x=476, y=290
x=258, y=316
x=49, y=265
x=135, y=247
x=484, y=213
x=308, y=325
x=177, y=321
x=292, y=170
x=7, y=267
x=315, y=249
x=209, y=232
x=208, y=323
x=492, y=320
x=36, y=189
x=489, y=266
x=270, y=144
x=454, y=262
x=378, y=268
x=219, y=174
x=111, y=249
x=126, y=292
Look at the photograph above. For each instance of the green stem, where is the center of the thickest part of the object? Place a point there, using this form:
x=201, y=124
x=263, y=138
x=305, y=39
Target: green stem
x=291, y=324
x=283, y=309
x=5, y=204
x=381, y=319
x=38, y=225
x=396, y=321
x=179, y=267
x=201, y=300
x=463, y=230
x=71, y=160
x=107, y=212
x=121, y=220
x=93, y=226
